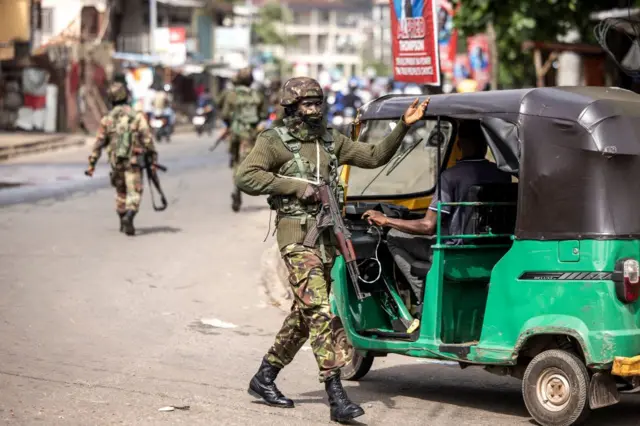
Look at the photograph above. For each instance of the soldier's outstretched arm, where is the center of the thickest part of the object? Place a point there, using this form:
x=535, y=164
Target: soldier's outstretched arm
x=370, y=155
x=255, y=176
x=100, y=143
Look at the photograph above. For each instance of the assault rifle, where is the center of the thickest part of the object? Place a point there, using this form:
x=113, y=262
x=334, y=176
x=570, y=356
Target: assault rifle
x=330, y=216
x=152, y=176
x=222, y=137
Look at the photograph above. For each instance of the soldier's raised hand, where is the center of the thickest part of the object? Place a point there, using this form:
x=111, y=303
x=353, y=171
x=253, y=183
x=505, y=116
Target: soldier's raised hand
x=415, y=112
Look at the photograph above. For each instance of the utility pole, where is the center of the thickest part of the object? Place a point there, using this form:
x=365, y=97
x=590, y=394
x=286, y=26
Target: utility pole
x=249, y=5
x=153, y=21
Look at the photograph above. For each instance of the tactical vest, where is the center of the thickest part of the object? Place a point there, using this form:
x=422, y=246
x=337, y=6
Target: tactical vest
x=301, y=168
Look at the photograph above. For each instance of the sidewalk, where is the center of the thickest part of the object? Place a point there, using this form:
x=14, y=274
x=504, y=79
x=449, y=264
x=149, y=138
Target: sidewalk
x=14, y=144
x=20, y=143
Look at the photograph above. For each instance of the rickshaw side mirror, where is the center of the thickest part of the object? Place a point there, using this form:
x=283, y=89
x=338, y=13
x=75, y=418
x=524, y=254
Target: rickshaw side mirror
x=436, y=139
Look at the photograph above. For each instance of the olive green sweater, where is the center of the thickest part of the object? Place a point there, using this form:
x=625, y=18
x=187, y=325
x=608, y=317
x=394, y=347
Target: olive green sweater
x=257, y=173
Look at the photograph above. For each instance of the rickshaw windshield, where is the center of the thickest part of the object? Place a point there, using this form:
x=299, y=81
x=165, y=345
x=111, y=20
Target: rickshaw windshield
x=412, y=169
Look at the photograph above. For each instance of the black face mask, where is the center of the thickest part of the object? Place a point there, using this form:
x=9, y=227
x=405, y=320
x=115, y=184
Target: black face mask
x=314, y=120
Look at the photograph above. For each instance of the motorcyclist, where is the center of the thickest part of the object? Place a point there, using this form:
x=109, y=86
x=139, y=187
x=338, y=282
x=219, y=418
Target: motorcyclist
x=162, y=105
x=351, y=99
x=205, y=101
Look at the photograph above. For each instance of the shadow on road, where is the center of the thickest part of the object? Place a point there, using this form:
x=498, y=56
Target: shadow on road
x=255, y=208
x=472, y=389
x=157, y=230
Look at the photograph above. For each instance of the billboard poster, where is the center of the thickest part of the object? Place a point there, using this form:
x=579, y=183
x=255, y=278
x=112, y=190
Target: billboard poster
x=479, y=59
x=170, y=45
x=414, y=32
x=447, y=36
x=461, y=68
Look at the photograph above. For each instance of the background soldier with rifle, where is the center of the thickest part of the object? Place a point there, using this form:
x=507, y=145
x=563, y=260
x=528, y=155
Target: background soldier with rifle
x=294, y=164
x=243, y=110
x=126, y=136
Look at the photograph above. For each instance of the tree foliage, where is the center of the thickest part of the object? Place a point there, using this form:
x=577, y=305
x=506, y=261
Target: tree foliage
x=518, y=20
x=269, y=26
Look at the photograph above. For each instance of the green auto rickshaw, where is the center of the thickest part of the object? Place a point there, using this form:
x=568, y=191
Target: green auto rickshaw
x=544, y=286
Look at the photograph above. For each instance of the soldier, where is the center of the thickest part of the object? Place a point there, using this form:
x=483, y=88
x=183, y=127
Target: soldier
x=284, y=165
x=243, y=108
x=274, y=103
x=125, y=135
x=220, y=100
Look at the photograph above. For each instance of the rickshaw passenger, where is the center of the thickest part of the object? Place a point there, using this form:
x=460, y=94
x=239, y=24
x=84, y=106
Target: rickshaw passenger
x=410, y=241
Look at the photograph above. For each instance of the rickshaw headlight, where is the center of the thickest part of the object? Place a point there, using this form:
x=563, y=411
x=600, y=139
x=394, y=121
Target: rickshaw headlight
x=627, y=279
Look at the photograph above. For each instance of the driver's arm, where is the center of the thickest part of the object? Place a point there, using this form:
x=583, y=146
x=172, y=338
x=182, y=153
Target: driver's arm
x=424, y=226
x=370, y=155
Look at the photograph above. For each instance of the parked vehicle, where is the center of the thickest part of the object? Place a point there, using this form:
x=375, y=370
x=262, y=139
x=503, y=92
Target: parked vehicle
x=546, y=282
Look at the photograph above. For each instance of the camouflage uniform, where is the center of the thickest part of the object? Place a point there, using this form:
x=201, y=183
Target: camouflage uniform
x=283, y=165
x=126, y=173
x=243, y=135
x=310, y=315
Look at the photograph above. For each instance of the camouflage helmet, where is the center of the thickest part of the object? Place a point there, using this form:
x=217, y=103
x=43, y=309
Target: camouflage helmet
x=245, y=76
x=298, y=88
x=117, y=92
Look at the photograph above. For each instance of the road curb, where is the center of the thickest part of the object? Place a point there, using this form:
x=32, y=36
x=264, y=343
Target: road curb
x=60, y=142
x=43, y=145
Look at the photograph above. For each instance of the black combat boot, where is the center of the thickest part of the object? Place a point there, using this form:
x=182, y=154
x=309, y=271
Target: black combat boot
x=127, y=222
x=121, y=221
x=342, y=409
x=262, y=386
x=236, y=200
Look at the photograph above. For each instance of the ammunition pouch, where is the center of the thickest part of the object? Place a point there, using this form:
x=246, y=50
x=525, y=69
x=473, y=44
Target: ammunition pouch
x=289, y=205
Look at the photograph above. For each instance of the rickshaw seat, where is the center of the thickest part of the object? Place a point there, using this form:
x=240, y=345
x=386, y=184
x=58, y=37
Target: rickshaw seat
x=498, y=219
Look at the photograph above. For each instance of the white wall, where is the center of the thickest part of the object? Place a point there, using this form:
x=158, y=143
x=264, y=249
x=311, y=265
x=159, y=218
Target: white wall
x=63, y=12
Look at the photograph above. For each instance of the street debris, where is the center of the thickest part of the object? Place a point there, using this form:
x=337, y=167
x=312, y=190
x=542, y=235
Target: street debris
x=214, y=322
x=172, y=408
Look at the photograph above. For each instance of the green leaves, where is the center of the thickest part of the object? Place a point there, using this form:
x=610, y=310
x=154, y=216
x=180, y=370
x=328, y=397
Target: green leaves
x=518, y=20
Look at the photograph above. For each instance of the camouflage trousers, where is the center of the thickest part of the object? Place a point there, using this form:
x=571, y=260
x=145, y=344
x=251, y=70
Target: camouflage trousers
x=310, y=316
x=242, y=146
x=127, y=180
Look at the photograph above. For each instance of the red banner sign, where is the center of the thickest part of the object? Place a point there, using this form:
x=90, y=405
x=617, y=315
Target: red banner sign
x=414, y=30
x=447, y=36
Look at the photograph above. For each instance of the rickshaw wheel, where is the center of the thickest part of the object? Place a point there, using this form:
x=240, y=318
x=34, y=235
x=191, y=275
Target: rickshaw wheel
x=555, y=388
x=356, y=365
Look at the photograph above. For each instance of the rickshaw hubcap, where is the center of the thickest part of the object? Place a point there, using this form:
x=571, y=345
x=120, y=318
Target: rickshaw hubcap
x=343, y=344
x=553, y=390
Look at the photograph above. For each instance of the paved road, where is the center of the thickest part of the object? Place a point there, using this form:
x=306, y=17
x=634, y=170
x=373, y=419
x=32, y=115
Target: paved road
x=100, y=329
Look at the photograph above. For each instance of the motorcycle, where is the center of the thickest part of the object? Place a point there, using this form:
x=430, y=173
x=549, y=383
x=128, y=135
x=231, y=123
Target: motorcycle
x=161, y=125
x=203, y=120
x=342, y=119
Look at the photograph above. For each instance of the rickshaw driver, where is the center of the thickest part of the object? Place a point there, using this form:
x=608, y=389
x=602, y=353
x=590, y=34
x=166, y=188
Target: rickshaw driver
x=410, y=241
